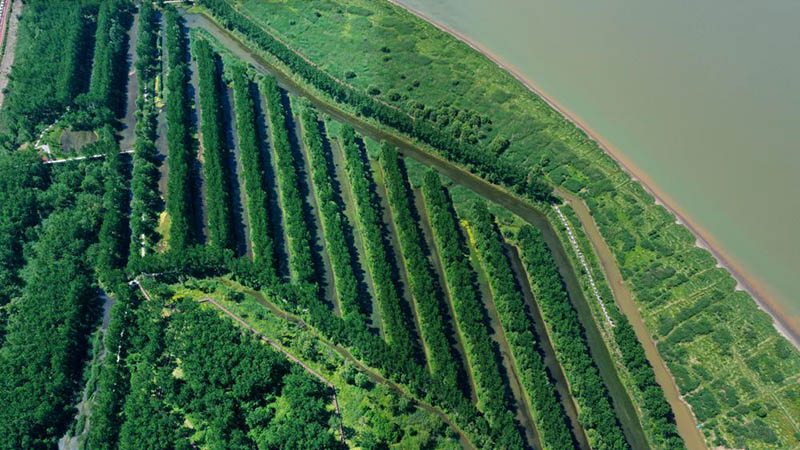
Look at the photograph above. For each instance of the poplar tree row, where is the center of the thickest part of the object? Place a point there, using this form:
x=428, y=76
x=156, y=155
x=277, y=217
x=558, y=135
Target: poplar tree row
x=333, y=221
x=469, y=314
x=215, y=151
x=146, y=201
x=426, y=294
x=110, y=69
x=180, y=186
x=301, y=264
x=567, y=335
x=397, y=325
x=253, y=172
x=517, y=326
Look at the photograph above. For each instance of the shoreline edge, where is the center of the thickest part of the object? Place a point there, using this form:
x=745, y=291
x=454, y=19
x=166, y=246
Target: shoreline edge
x=784, y=327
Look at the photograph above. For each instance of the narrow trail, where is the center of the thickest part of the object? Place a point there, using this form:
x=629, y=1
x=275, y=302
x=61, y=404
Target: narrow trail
x=288, y=355
x=684, y=416
x=9, y=39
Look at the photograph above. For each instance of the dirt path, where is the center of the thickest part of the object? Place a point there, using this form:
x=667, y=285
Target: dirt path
x=684, y=418
x=10, y=42
x=288, y=355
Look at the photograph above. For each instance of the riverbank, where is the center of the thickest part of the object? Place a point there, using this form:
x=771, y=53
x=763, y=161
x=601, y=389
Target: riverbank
x=786, y=325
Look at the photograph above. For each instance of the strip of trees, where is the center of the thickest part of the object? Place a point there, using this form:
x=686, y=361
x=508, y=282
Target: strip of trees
x=47, y=335
x=654, y=403
x=333, y=221
x=301, y=265
x=475, y=159
x=548, y=415
x=397, y=325
x=253, y=171
x=567, y=335
x=469, y=314
x=426, y=293
x=110, y=69
x=75, y=76
x=180, y=186
x=114, y=232
x=146, y=202
x=215, y=152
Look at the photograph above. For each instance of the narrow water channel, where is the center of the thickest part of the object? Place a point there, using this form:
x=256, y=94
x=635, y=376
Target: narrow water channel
x=622, y=403
x=233, y=166
x=129, y=121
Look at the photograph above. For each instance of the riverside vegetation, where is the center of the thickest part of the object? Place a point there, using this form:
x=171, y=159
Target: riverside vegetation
x=170, y=369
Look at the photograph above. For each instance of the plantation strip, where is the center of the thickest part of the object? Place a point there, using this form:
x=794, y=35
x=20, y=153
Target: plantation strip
x=396, y=324
x=215, y=152
x=566, y=334
x=420, y=276
x=109, y=72
x=301, y=264
x=517, y=325
x=145, y=202
x=253, y=171
x=460, y=279
x=180, y=186
x=333, y=221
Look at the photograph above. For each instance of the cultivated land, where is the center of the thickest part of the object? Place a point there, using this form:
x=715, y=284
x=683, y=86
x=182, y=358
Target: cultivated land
x=444, y=309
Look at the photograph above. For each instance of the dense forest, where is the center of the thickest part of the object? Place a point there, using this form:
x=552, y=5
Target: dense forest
x=46, y=341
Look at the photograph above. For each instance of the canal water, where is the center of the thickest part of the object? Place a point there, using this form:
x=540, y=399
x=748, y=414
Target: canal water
x=701, y=97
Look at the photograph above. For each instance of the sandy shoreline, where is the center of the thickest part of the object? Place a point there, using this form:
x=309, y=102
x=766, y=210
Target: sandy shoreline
x=757, y=291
